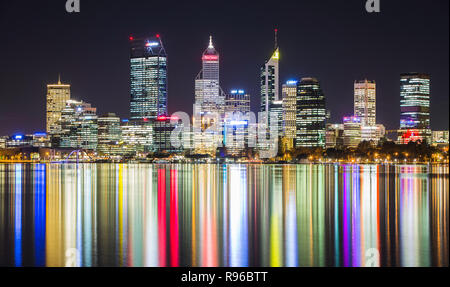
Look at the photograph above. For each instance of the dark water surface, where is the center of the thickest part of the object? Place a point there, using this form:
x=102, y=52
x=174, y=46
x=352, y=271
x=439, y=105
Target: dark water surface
x=223, y=215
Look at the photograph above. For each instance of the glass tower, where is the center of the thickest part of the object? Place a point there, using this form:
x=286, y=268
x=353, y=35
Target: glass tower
x=311, y=114
x=415, y=105
x=148, y=77
x=289, y=92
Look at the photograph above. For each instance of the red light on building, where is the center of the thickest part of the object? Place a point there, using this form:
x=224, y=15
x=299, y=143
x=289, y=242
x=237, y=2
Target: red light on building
x=131, y=38
x=158, y=36
x=210, y=58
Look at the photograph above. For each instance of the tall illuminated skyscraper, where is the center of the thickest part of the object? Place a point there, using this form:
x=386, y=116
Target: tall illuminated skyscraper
x=270, y=81
x=366, y=102
x=148, y=77
x=109, y=134
x=209, y=105
x=57, y=96
x=415, y=107
x=311, y=114
x=289, y=92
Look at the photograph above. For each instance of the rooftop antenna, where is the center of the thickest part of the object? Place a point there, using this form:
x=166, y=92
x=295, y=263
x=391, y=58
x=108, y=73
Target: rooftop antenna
x=276, y=38
x=59, y=79
x=211, y=46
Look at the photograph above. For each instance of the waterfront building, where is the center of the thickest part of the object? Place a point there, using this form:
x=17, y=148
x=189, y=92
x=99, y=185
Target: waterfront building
x=365, y=102
x=415, y=108
x=109, y=135
x=209, y=107
x=148, y=76
x=289, y=93
x=334, y=136
x=41, y=140
x=79, y=126
x=352, y=131
x=372, y=133
x=57, y=96
x=237, y=120
x=3, y=142
x=311, y=114
x=440, y=138
x=162, y=132
x=137, y=137
x=19, y=140
x=270, y=91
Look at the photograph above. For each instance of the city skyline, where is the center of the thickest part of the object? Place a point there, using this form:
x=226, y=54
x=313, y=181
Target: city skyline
x=30, y=118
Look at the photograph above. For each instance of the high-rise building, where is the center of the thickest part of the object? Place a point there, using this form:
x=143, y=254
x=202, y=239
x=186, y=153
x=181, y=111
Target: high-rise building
x=237, y=121
x=148, y=77
x=57, y=96
x=270, y=89
x=311, y=114
x=352, y=131
x=237, y=101
x=366, y=102
x=289, y=92
x=415, y=107
x=109, y=134
x=79, y=126
x=209, y=108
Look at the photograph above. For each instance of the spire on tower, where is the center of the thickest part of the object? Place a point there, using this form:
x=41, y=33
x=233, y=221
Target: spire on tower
x=276, y=38
x=211, y=46
x=59, y=79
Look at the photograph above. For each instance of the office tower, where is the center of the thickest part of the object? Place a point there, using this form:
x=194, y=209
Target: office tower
x=79, y=126
x=237, y=121
x=57, y=96
x=311, y=114
x=209, y=105
x=276, y=108
x=334, y=136
x=270, y=82
x=289, y=92
x=148, y=77
x=415, y=107
x=372, y=133
x=237, y=101
x=352, y=131
x=137, y=137
x=162, y=132
x=365, y=102
x=109, y=134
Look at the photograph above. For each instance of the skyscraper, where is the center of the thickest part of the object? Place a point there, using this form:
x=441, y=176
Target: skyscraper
x=209, y=105
x=365, y=102
x=289, y=92
x=237, y=101
x=148, y=77
x=352, y=131
x=57, y=96
x=270, y=81
x=311, y=114
x=415, y=107
x=237, y=121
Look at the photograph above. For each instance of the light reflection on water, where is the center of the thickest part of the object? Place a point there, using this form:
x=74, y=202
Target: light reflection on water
x=223, y=215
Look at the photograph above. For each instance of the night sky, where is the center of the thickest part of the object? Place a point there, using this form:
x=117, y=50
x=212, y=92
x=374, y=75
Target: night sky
x=335, y=41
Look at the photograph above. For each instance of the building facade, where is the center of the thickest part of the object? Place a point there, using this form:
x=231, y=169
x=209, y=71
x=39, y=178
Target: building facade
x=109, y=135
x=209, y=107
x=352, y=131
x=148, y=77
x=365, y=102
x=415, y=94
x=57, y=96
x=311, y=114
x=289, y=92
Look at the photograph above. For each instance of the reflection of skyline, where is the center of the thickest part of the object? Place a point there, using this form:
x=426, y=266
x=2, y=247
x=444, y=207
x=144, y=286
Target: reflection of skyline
x=213, y=215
